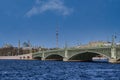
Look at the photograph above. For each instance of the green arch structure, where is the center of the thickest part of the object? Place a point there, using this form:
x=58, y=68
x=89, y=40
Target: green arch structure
x=112, y=53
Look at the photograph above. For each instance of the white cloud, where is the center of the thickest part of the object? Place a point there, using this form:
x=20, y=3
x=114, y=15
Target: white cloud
x=49, y=5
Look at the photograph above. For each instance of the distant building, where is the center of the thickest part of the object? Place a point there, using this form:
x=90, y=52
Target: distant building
x=99, y=44
x=108, y=44
x=26, y=44
x=118, y=44
x=95, y=44
x=7, y=45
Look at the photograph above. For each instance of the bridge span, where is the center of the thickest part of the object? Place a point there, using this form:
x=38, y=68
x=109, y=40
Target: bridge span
x=79, y=54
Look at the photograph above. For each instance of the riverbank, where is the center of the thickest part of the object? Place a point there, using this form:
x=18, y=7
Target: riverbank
x=25, y=56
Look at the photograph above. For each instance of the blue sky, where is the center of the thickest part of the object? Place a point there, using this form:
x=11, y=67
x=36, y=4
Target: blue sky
x=79, y=21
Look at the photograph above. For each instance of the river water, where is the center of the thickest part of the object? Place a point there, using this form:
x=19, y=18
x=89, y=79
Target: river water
x=57, y=70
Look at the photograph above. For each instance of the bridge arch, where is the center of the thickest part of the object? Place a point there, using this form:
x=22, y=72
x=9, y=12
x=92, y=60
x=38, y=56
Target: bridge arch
x=37, y=58
x=55, y=57
x=85, y=56
x=118, y=59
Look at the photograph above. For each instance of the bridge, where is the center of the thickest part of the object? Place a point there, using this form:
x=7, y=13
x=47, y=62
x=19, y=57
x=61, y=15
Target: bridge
x=112, y=53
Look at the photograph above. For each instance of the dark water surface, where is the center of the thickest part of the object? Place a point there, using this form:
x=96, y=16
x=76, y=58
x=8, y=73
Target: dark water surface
x=54, y=70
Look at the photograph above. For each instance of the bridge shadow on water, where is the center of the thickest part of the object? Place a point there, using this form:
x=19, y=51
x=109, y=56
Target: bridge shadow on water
x=77, y=61
x=88, y=61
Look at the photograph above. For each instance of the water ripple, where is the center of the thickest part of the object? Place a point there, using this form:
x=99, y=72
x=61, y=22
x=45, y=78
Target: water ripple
x=55, y=70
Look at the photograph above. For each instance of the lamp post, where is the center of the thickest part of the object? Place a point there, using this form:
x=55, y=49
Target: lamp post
x=18, y=47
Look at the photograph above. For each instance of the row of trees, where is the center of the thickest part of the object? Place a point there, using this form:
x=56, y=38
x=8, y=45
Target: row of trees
x=10, y=50
x=13, y=51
